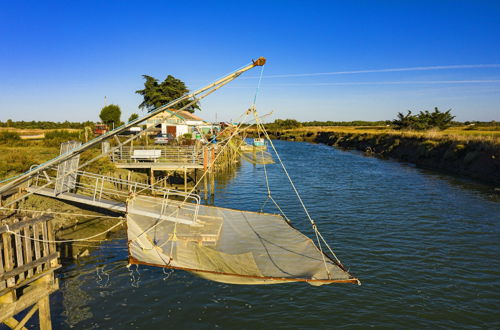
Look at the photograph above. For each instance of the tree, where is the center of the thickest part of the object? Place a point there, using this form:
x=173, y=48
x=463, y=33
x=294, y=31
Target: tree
x=441, y=120
x=133, y=116
x=110, y=115
x=404, y=121
x=424, y=120
x=157, y=94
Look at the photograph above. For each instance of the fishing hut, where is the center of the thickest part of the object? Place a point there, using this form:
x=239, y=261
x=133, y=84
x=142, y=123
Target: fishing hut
x=28, y=259
x=174, y=146
x=182, y=161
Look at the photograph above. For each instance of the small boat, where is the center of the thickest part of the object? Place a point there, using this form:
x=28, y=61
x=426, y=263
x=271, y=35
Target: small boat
x=258, y=142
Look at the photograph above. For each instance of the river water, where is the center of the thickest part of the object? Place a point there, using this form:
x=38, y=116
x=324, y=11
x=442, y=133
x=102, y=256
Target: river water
x=424, y=245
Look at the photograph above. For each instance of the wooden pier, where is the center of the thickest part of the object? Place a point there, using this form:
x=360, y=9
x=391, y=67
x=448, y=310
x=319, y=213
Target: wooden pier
x=28, y=259
x=186, y=161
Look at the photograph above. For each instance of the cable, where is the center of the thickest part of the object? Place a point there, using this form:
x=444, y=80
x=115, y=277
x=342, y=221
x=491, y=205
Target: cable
x=87, y=239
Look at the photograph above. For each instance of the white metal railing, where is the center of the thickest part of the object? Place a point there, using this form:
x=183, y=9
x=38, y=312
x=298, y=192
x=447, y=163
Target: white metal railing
x=169, y=154
x=102, y=188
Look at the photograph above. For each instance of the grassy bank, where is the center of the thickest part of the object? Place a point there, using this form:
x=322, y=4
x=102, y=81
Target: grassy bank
x=462, y=134
x=471, y=152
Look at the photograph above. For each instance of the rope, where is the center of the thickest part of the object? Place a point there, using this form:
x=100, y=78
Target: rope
x=87, y=239
x=258, y=86
x=313, y=224
x=62, y=213
x=321, y=250
x=135, y=280
x=269, y=196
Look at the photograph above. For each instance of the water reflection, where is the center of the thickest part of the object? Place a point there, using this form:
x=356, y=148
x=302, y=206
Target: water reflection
x=425, y=246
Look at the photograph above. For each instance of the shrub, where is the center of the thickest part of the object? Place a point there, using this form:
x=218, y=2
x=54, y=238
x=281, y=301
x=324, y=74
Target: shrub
x=55, y=138
x=6, y=137
x=16, y=162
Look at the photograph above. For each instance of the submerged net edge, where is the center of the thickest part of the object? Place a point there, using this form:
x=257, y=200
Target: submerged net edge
x=269, y=279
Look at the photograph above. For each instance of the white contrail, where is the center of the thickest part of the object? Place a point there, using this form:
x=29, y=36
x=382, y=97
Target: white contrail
x=416, y=68
x=393, y=82
x=416, y=82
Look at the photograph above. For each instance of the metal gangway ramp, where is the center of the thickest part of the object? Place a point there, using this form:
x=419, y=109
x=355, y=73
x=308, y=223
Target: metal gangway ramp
x=113, y=194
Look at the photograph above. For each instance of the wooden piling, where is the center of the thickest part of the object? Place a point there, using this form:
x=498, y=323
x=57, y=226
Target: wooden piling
x=185, y=179
x=205, y=186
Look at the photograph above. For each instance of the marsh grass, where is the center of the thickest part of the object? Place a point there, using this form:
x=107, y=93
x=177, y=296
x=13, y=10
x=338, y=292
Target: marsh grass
x=454, y=134
x=15, y=159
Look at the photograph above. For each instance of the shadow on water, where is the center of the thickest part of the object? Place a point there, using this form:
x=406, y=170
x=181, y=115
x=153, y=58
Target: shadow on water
x=424, y=245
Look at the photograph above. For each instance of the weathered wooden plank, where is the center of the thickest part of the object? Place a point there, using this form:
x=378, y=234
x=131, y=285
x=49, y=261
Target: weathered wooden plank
x=19, y=254
x=51, y=237
x=7, y=257
x=36, y=243
x=45, y=244
x=19, y=225
x=26, y=318
x=27, y=300
x=2, y=283
x=28, y=253
x=29, y=280
x=12, y=323
x=23, y=268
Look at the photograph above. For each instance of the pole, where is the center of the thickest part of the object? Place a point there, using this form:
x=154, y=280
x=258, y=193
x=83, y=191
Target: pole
x=61, y=158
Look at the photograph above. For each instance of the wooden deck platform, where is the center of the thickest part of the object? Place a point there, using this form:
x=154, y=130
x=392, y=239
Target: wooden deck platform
x=158, y=166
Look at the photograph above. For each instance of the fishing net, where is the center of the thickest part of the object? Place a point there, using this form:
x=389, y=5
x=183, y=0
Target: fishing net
x=225, y=245
x=252, y=154
x=257, y=157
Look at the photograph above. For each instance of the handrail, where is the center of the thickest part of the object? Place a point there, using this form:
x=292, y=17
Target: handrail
x=98, y=191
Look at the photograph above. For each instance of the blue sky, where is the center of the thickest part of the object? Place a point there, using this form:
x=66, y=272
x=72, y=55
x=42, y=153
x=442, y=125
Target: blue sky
x=59, y=59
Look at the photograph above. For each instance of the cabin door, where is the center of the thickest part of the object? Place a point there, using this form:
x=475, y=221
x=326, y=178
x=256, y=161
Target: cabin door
x=172, y=130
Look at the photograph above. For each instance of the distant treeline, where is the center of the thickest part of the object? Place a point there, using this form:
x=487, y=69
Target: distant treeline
x=347, y=123
x=44, y=124
x=422, y=121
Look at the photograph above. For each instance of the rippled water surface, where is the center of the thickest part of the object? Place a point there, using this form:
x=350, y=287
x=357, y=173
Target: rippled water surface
x=425, y=246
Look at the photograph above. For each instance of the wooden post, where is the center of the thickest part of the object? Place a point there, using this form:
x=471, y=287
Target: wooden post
x=205, y=158
x=205, y=185
x=212, y=183
x=185, y=179
x=212, y=158
x=44, y=313
x=152, y=177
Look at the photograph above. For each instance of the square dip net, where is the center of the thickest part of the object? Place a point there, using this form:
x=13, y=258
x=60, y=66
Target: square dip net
x=225, y=245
